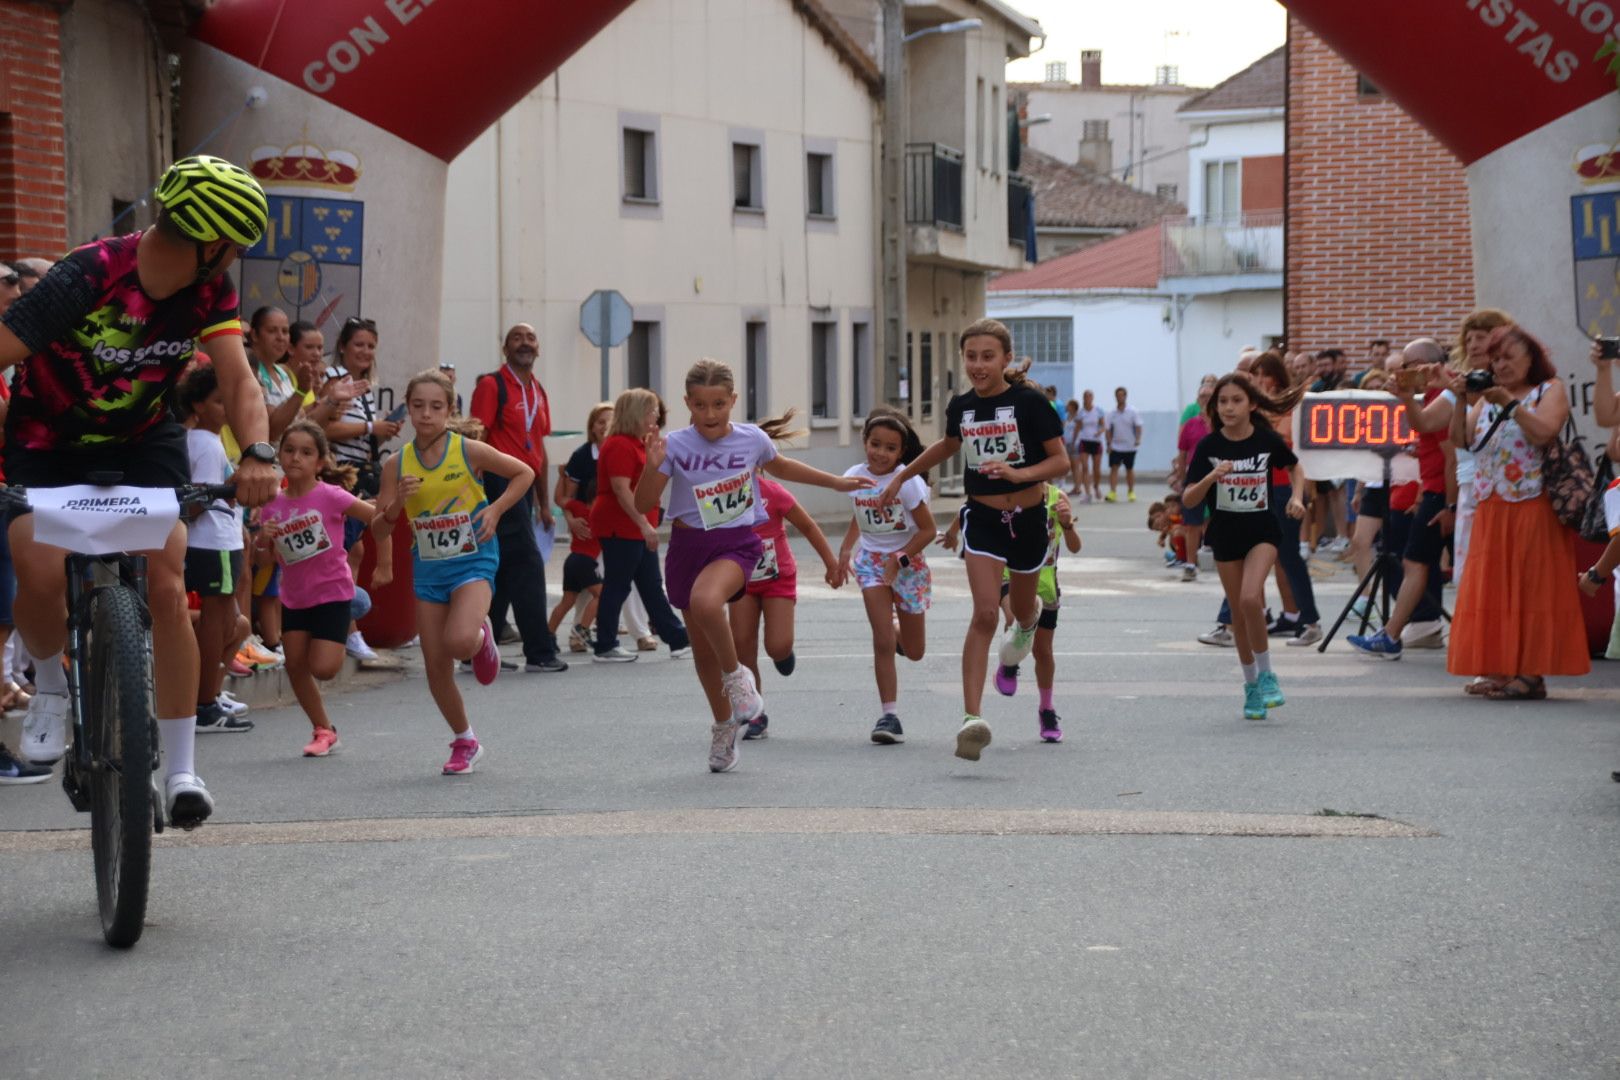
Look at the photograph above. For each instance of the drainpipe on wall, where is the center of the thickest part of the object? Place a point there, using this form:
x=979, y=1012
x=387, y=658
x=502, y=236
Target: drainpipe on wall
x=892, y=207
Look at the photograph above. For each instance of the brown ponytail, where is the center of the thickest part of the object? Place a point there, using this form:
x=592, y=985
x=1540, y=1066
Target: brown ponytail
x=779, y=428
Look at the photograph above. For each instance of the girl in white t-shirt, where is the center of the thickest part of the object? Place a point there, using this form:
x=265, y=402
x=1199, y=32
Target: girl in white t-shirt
x=883, y=550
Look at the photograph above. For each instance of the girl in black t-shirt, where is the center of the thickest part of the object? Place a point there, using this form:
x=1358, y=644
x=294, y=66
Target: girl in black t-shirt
x=1013, y=442
x=1230, y=471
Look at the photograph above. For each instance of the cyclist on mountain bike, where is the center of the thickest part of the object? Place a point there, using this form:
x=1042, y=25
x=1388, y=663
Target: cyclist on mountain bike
x=101, y=341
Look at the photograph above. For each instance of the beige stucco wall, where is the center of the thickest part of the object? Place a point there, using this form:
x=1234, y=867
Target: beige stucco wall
x=115, y=99
x=535, y=219
x=1158, y=129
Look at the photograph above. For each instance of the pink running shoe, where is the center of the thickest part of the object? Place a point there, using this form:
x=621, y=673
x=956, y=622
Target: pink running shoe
x=486, y=662
x=324, y=741
x=464, y=754
x=1006, y=680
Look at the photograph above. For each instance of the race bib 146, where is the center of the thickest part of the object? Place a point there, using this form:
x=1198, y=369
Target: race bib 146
x=1242, y=493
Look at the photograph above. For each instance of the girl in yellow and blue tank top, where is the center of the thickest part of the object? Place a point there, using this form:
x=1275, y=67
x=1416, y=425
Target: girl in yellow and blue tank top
x=438, y=485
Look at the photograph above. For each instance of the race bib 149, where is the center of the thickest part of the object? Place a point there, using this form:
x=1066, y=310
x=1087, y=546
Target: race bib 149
x=444, y=536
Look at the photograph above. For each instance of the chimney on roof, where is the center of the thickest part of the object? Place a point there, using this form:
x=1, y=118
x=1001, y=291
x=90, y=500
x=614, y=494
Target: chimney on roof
x=1091, y=68
x=1096, y=148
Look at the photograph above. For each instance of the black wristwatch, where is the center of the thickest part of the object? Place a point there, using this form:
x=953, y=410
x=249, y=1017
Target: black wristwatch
x=260, y=451
x=1595, y=578
x=904, y=560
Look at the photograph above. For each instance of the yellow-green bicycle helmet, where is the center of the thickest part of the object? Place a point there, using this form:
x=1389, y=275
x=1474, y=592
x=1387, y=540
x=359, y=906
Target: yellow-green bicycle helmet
x=209, y=199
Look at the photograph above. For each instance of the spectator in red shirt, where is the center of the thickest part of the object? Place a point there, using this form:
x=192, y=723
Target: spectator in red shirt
x=512, y=406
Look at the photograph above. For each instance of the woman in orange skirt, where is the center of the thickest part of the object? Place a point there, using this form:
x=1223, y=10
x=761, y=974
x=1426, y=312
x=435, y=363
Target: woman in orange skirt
x=1518, y=614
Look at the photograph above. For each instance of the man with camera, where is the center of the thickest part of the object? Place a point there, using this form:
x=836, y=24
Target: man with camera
x=1435, y=514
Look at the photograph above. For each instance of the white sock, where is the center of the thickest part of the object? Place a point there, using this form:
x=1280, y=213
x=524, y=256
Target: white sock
x=50, y=676
x=1291, y=616
x=468, y=734
x=1250, y=673
x=179, y=745
x=890, y=706
x=1262, y=661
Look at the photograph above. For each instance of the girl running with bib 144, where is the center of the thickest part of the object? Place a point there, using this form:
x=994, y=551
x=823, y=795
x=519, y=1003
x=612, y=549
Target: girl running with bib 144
x=1231, y=472
x=304, y=528
x=883, y=549
x=773, y=588
x=712, y=469
x=1013, y=442
x=438, y=484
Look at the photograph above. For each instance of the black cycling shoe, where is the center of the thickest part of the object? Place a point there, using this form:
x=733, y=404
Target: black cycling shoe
x=786, y=665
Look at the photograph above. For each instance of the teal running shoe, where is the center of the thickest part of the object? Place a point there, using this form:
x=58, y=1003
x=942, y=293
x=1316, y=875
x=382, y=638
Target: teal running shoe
x=1254, y=702
x=1270, y=692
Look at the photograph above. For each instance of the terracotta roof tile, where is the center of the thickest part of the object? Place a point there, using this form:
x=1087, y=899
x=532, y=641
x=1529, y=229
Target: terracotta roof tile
x=1261, y=85
x=1075, y=196
x=1132, y=261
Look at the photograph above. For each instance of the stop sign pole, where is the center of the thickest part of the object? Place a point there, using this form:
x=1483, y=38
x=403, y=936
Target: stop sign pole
x=605, y=320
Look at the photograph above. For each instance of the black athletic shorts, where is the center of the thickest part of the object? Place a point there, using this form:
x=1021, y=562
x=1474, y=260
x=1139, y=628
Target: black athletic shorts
x=212, y=573
x=1424, y=543
x=1091, y=446
x=1015, y=537
x=1232, y=536
x=158, y=459
x=323, y=622
x=1374, y=502
x=579, y=573
x=1117, y=458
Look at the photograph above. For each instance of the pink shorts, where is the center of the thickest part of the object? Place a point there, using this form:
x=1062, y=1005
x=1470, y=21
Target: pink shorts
x=785, y=587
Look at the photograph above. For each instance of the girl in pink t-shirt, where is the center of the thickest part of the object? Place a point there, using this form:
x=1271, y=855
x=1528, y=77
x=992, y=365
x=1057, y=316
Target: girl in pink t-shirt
x=303, y=526
x=773, y=588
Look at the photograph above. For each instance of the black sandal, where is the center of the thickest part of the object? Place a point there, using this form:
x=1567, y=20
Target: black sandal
x=1520, y=688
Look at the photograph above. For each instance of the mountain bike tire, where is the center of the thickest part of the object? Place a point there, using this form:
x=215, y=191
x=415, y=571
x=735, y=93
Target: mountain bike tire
x=120, y=731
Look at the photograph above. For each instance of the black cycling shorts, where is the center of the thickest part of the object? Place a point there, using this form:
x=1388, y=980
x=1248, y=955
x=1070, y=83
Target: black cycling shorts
x=1424, y=543
x=158, y=459
x=1374, y=503
x=323, y=622
x=1117, y=458
x=1015, y=537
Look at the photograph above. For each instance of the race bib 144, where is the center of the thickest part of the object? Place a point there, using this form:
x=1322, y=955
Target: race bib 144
x=726, y=501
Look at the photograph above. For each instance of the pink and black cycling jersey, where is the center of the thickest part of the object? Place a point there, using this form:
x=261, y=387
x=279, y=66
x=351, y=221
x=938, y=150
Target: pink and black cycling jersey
x=105, y=356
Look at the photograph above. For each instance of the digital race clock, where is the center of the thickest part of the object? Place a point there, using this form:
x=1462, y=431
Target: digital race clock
x=1349, y=434
x=1365, y=421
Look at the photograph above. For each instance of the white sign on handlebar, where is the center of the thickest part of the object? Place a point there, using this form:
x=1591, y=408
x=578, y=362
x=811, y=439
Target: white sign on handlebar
x=104, y=520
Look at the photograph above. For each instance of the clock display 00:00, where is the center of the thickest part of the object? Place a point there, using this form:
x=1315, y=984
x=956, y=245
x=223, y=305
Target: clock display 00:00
x=1353, y=425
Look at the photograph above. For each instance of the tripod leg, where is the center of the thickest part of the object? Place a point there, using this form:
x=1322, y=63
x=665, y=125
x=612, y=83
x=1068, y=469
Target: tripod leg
x=1368, y=587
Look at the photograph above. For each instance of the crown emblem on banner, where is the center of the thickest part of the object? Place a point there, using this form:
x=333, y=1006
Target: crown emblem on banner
x=307, y=165
x=1598, y=163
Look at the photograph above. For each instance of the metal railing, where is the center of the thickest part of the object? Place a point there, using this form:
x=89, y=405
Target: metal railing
x=1021, y=214
x=933, y=185
x=1253, y=244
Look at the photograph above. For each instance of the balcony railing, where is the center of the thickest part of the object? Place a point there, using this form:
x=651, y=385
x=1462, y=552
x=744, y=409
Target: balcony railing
x=933, y=185
x=1021, y=214
x=1253, y=244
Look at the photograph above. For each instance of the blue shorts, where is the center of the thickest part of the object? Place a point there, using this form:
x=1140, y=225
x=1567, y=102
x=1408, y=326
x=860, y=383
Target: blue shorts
x=435, y=579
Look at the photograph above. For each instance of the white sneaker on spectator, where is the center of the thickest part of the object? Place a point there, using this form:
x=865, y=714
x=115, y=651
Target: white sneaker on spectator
x=1424, y=635
x=356, y=647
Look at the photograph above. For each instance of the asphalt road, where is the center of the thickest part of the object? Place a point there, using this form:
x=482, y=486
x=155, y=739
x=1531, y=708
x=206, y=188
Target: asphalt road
x=1159, y=896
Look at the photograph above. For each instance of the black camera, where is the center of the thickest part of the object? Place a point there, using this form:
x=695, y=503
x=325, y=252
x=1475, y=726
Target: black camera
x=1479, y=381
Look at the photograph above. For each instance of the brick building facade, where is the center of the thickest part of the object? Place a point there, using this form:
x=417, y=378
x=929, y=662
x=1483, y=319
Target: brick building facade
x=33, y=188
x=1378, y=221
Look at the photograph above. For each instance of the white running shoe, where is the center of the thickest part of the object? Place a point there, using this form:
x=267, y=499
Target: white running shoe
x=1015, y=646
x=1305, y=635
x=356, y=647
x=1189, y=572
x=723, y=746
x=746, y=704
x=228, y=702
x=615, y=655
x=682, y=653
x=187, y=800
x=1424, y=635
x=1221, y=635
x=972, y=738
x=44, y=738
